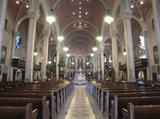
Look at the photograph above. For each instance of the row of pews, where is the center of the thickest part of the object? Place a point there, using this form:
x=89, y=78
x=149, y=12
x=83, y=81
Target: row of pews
x=126, y=100
x=41, y=100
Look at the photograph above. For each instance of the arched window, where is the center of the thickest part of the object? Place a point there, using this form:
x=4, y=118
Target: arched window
x=18, y=41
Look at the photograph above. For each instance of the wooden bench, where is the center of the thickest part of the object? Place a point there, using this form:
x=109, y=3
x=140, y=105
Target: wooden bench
x=121, y=102
x=141, y=111
x=18, y=112
x=38, y=103
x=103, y=93
x=58, y=93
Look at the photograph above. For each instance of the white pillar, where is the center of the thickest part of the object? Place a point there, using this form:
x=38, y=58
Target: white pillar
x=3, y=9
x=115, y=63
x=102, y=64
x=149, y=68
x=12, y=51
x=33, y=16
x=57, y=61
x=155, y=6
x=129, y=49
x=94, y=63
x=128, y=40
x=45, y=53
x=102, y=59
x=83, y=63
x=76, y=66
x=98, y=63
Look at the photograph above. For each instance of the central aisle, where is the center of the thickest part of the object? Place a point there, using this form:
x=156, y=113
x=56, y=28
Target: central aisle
x=80, y=107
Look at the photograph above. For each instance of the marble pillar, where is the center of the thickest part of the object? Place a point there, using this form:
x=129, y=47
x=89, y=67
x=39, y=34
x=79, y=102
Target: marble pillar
x=99, y=64
x=57, y=61
x=155, y=7
x=115, y=62
x=3, y=10
x=33, y=16
x=45, y=54
x=12, y=53
x=102, y=60
x=96, y=59
x=149, y=67
x=129, y=46
x=94, y=64
x=83, y=63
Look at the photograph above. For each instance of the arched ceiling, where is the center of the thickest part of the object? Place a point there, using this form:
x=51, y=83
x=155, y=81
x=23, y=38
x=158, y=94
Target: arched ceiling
x=80, y=20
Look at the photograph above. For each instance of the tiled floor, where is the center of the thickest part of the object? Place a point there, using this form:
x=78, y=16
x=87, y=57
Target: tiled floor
x=80, y=107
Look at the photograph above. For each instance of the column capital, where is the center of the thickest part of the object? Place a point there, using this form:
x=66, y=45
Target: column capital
x=145, y=31
x=113, y=33
x=33, y=14
x=46, y=33
x=127, y=14
x=101, y=49
x=14, y=33
x=58, y=47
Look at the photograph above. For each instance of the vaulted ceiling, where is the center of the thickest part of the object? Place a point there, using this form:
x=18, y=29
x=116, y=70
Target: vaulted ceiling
x=79, y=21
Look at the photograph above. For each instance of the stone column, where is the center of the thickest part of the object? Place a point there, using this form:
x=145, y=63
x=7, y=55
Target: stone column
x=66, y=68
x=57, y=60
x=33, y=16
x=128, y=40
x=76, y=68
x=129, y=49
x=45, y=53
x=12, y=52
x=98, y=63
x=102, y=59
x=102, y=64
x=69, y=69
x=115, y=63
x=155, y=7
x=149, y=68
x=93, y=66
x=83, y=63
x=3, y=10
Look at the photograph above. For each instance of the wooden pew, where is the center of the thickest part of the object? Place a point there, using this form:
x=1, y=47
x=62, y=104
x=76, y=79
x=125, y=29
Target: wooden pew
x=18, y=112
x=141, y=111
x=110, y=96
x=38, y=103
x=103, y=92
x=57, y=93
x=121, y=102
x=58, y=89
x=50, y=94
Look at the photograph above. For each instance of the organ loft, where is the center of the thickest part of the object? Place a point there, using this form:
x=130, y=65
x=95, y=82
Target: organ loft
x=79, y=59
